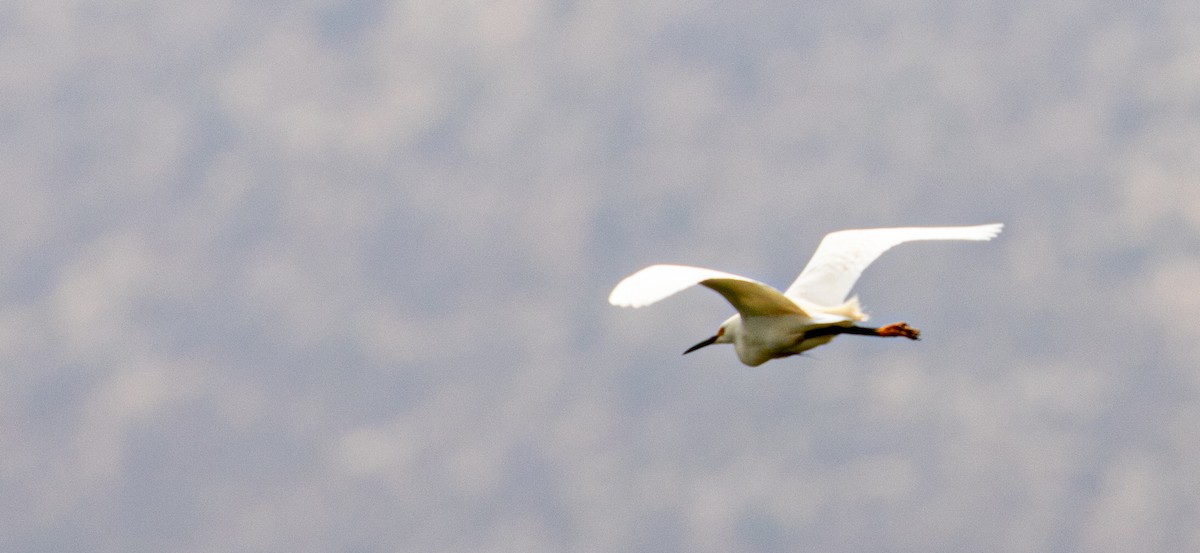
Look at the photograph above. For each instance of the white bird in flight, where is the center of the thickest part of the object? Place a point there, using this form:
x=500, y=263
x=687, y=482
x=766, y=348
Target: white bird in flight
x=811, y=312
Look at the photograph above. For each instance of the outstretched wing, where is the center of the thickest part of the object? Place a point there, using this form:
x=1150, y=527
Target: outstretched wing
x=749, y=297
x=843, y=255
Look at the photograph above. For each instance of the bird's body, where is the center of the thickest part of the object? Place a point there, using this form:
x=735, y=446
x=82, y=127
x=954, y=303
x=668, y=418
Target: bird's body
x=760, y=339
x=771, y=324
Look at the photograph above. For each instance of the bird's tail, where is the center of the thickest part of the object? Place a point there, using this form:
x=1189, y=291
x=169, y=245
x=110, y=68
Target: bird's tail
x=852, y=309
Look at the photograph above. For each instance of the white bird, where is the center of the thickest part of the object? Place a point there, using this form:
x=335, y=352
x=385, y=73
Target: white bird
x=811, y=312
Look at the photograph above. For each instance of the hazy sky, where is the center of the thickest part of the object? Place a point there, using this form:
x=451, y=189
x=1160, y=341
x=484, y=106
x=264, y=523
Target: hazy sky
x=331, y=276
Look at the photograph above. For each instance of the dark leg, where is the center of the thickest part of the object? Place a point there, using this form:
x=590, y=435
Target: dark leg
x=889, y=331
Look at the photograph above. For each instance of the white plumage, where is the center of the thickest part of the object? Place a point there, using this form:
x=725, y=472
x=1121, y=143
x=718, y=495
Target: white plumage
x=770, y=324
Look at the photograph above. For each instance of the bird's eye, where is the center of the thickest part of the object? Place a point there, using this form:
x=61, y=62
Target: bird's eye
x=720, y=332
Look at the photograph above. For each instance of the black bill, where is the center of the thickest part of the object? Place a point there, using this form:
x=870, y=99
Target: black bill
x=707, y=342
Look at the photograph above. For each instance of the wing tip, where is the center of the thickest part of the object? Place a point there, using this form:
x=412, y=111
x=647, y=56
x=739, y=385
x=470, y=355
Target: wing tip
x=991, y=230
x=636, y=291
x=620, y=297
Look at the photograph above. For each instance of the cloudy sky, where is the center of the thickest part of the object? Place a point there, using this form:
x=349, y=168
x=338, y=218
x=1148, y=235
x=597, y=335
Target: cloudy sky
x=331, y=275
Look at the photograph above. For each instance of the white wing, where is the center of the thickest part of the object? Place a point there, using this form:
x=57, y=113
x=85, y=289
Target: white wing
x=843, y=255
x=749, y=297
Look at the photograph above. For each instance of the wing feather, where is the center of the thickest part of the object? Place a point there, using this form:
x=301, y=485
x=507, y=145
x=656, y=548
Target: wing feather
x=842, y=256
x=748, y=296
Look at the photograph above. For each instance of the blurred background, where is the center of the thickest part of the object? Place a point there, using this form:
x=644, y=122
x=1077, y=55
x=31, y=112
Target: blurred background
x=332, y=275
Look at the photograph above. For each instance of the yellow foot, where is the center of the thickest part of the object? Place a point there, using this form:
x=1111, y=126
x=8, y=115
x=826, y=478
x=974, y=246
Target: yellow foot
x=900, y=329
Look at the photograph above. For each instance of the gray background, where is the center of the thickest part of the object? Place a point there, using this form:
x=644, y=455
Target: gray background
x=331, y=276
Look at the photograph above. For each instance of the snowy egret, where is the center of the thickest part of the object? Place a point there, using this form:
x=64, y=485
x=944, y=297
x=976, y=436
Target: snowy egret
x=811, y=312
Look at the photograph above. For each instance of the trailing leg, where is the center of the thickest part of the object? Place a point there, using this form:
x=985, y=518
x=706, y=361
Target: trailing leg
x=899, y=329
x=889, y=331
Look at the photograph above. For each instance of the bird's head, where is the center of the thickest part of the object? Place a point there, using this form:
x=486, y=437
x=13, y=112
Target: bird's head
x=725, y=334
